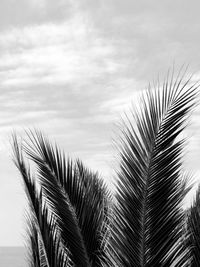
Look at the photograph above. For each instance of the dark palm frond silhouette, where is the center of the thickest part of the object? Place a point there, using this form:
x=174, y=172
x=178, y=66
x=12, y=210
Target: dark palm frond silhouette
x=74, y=220
x=44, y=237
x=193, y=228
x=76, y=198
x=150, y=191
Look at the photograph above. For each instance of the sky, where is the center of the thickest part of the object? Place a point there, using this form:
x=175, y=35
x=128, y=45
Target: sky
x=70, y=68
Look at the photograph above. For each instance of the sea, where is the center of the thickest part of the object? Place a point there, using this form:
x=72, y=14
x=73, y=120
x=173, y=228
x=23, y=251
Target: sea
x=13, y=256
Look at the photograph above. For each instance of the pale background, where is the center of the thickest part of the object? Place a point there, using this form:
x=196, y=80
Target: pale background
x=71, y=68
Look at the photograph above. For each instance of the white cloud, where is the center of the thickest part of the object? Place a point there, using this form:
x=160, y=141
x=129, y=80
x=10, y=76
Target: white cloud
x=53, y=54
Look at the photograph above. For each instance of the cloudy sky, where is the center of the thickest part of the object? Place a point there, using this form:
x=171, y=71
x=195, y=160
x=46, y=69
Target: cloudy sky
x=71, y=67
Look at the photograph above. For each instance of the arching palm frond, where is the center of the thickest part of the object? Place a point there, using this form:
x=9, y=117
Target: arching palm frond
x=67, y=184
x=193, y=228
x=43, y=234
x=149, y=220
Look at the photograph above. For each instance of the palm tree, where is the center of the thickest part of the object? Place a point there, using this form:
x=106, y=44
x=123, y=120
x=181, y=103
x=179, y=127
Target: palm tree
x=73, y=218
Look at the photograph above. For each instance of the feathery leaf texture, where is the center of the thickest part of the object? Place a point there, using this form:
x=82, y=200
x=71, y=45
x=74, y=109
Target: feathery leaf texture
x=77, y=198
x=41, y=223
x=193, y=227
x=149, y=191
x=75, y=221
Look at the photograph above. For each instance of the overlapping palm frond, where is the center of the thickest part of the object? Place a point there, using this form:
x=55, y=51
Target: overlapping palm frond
x=149, y=219
x=78, y=199
x=74, y=221
x=94, y=214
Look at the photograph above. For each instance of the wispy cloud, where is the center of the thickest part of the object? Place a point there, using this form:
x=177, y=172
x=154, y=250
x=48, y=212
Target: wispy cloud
x=53, y=54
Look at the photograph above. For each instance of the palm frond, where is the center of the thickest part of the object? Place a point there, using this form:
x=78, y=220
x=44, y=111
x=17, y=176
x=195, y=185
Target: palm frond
x=83, y=190
x=193, y=228
x=148, y=214
x=42, y=231
x=94, y=215
x=64, y=212
x=33, y=244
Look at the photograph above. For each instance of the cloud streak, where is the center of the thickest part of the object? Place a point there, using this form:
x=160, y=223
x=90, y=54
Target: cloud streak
x=53, y=54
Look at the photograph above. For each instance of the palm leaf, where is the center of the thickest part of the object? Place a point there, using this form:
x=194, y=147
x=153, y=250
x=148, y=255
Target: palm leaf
x=83, y=190
x=193, y=228
x=42, y=232
x=64, y=212
x=34, y=251
x=149, y=218
x=94, y=215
